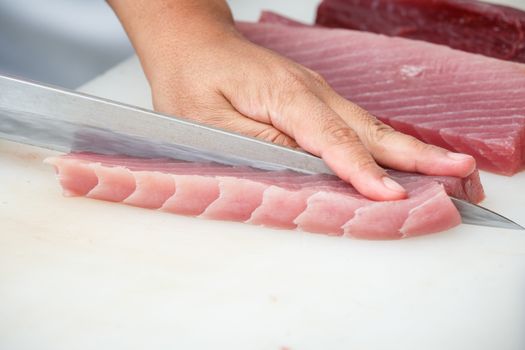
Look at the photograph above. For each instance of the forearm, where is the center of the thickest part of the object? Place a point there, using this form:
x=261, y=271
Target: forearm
x=160, y=28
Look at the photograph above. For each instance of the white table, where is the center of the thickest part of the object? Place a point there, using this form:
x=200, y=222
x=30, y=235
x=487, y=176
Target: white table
x=77, y=273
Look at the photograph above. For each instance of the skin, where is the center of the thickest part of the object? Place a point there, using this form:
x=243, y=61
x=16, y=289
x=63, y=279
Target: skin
x=200, y=67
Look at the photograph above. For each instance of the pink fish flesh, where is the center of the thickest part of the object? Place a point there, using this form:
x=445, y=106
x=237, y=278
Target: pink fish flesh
x=468, y=25
x=277, y=199
x=461, y=101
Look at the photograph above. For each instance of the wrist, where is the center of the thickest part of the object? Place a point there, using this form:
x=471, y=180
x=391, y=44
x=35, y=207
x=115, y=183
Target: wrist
x=167, y=34
x=171, y=55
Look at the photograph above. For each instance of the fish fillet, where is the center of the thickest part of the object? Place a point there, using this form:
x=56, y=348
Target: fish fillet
x=461, y=101
x=469, y=25
x=277, y=199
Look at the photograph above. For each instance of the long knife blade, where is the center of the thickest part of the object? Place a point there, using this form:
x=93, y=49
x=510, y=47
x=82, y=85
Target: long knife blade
x=64, y=120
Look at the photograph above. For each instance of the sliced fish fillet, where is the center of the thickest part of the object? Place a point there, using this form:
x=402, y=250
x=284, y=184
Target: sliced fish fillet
x=277, y=199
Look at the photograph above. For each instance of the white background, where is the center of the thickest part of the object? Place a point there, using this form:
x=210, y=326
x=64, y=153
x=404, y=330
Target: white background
x=82, y=274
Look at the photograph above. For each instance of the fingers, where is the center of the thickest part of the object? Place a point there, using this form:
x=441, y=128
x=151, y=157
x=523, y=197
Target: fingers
x=399, y=151
x=403, y=152
x=322, y=133
x=319, y=130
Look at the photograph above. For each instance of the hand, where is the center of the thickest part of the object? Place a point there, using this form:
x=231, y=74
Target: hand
x=236, y=85
x=208, y=72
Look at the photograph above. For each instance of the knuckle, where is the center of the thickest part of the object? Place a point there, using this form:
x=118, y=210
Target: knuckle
x=341, y=134
x=317, y=78
x=348, y=141
x=289, y=88
x=378, y=132
x=291, y=80
x=418, y=145
x=363, y=164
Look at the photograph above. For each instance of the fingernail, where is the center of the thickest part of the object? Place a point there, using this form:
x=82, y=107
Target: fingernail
x=392, y=185
x=458, y=156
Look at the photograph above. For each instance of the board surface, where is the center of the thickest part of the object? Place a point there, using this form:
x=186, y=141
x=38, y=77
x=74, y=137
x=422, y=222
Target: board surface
x=77, y=273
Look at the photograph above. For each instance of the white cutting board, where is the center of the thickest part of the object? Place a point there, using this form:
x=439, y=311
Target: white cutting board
x=77, y=273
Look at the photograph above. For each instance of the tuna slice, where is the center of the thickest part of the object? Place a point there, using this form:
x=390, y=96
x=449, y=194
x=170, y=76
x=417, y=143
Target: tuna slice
x=457, y=100
x=469, y=25
x=278, y=199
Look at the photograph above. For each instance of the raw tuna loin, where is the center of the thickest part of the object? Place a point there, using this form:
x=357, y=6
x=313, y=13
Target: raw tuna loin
x=314, y=203
x=469, y=25
x=464, y=102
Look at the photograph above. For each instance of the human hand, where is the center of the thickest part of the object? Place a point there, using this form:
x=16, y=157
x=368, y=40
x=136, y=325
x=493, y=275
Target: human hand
x=209, y=73
x=236, y=85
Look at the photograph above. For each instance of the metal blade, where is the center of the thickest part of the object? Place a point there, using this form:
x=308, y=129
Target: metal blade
x=64, y=120
x=473, y=214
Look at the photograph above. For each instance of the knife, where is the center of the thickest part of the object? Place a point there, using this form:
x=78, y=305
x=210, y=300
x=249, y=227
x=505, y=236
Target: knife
x=64, y=120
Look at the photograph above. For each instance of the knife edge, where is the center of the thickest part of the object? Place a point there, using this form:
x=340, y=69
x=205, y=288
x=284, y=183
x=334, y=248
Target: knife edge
x=473, y=214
